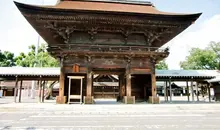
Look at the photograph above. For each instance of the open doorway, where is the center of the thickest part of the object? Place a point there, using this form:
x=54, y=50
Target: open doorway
x=106, y=88
x=141, y=86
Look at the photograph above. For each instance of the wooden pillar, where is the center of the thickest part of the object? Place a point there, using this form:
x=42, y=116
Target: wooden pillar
x=197, y=91
x=40, y=89
x=69, y=86
x=20, y=89
x=153, y=85
x=165, y=91
x=192, y=91
x=4, y=92
x=89, y=84
x=43, y=91
x=209, y=92
x=187, y=85
x=15, y=90
x=62, y=81
x=170, y=89
x=61, y=99
x=88, y=99
x=128, y=99
x=128, y=79
x=81, y=90
x=128, y=84
x=121, y=86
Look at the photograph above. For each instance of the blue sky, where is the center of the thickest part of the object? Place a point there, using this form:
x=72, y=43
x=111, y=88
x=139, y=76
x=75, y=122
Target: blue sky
x=16, y=33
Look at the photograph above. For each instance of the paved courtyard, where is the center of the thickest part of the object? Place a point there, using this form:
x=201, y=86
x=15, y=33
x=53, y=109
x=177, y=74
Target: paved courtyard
x=109, y=116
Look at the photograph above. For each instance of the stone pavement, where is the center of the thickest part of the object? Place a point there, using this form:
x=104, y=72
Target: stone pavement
x=109, y=116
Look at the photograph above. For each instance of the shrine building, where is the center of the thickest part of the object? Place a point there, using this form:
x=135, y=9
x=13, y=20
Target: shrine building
x=106, y=37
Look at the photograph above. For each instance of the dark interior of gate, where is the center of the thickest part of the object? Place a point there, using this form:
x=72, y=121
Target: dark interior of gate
x=111, y=86
x=141, y=86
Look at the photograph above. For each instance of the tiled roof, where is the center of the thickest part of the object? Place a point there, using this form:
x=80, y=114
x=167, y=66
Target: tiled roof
x=25, y=71
x=187, y=73
x=214, y=80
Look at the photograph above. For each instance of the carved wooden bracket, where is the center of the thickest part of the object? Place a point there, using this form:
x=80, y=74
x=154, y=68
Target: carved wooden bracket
x=92, y=32
x=63, y=32
x=152, y=35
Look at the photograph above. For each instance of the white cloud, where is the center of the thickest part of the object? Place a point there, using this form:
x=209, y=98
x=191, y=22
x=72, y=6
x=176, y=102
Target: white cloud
x=206, y=32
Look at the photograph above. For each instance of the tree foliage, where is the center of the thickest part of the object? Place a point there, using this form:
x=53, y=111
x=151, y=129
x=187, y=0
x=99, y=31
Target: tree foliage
x=208, y=58
x=6, y=59
x=162, y=65
x=43, y=59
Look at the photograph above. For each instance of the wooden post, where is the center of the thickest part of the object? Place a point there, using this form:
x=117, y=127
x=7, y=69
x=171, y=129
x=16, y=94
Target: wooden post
x=4, y=92
x=128, y=85
x=69, y=90
x=165, y=91
x=40, y=89
x=209, y=92
x=187, y=85
x=81, y=89
x=122, y=86
x=114, y=91
x=62, y=81
x=89, y=84
x=197, y=91
x=43, y=91
x=153, y=85
x=170, y=89
x=20, y=89
x=192, y=91
x=102, y=91
x=15, y=90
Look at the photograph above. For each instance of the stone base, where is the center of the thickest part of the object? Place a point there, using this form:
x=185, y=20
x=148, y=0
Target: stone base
x=88, y=100
x=129, y=99
x=154, y=100
x=60, y=99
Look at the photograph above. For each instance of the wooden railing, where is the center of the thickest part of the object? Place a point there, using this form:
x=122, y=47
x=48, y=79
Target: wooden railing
x=106, y=48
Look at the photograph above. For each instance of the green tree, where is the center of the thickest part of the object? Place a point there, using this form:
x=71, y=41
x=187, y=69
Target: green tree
x=43, y=59
x=208, y=58
x=162, y=65
x=6, y=59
